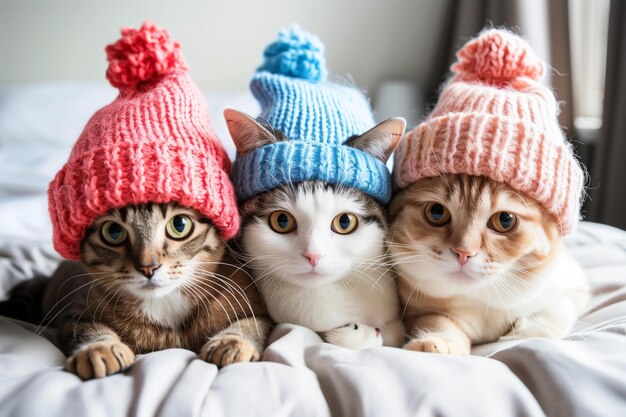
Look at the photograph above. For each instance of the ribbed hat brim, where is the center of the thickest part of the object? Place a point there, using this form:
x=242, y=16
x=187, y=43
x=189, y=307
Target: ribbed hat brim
x=295, y=161
x=525, y=156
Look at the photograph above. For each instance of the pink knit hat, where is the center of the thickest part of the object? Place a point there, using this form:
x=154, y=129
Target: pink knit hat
x=495, y=119
x=153, y=143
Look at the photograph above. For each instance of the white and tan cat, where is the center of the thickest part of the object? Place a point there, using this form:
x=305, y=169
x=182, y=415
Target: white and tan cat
x=477, y=262
x=316, y=249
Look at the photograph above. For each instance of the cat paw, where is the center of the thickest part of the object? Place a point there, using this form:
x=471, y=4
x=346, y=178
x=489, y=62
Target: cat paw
x=100, y=359
x=227, y=349
x=435, y=345
x=354, y=336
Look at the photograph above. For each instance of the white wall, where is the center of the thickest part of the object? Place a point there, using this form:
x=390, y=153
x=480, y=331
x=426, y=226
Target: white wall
x=373, y=40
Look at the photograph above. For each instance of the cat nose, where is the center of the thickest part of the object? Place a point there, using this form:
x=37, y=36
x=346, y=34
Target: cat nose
x=312, y=257
x=147, y=270
x=463, y=255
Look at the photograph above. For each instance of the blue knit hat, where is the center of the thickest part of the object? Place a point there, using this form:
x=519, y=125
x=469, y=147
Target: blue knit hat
x=316, y=116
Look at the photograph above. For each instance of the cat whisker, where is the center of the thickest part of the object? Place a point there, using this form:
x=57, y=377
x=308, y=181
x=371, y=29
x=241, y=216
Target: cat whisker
x=356, y=272
x=78, y=320
x=347, y=285
x=507, y=288
x=115, y=306
x=516, y=278
x=39, y=330
x=107, y=291
x=415, y=289
x=66, y=280
x=389, y=266
x=271, y=269
x=408, y=260
x=197, y=291
x=395, y=243
x=494, y=284
x=218, y=290
x=114, y=293
x=231, y=285
x=377, y=261
x=524, y=272
x=238, y=268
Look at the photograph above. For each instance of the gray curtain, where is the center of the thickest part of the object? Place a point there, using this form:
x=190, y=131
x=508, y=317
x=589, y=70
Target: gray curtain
x=466, y=18
x=544, y=23
x=608, y=193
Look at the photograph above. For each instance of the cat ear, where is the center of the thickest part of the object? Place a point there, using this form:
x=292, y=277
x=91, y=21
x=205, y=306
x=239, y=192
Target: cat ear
x=381, y=140
x=247, y=133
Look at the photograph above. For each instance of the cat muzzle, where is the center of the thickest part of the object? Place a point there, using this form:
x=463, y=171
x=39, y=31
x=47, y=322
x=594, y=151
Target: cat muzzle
x=147, y=270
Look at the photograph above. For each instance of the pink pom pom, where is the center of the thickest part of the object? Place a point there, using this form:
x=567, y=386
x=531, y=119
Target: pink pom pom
x=498, y=57
x=143, y=54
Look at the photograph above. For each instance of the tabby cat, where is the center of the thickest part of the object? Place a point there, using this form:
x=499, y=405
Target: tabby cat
x=317, y=249
x=152, y=277
x=477, y=262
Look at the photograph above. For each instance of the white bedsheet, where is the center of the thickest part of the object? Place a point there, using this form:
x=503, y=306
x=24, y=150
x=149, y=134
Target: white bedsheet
x=582, y=375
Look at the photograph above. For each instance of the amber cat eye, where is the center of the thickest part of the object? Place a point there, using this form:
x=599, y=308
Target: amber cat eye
x=282, y=222
x=436, y=214
x=113, y=233
x=344, y=223
x=502, y=222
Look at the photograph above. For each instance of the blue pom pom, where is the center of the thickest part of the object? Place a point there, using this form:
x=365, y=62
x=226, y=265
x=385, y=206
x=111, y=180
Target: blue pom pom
x=296, y=54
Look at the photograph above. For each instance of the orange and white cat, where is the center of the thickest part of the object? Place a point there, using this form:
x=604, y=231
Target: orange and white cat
x=479, y=262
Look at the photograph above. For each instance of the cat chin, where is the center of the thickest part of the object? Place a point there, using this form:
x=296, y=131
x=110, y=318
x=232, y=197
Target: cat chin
x=148, y=290
x=312, y=279
x=461, y=277
x=446, y=284
x=441, y=283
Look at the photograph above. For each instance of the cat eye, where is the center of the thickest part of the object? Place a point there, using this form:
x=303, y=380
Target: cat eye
x=282, y=222
x=344, y=223
x=113, y=233
x=179, y=227
x=436, y=214
x=502, y=222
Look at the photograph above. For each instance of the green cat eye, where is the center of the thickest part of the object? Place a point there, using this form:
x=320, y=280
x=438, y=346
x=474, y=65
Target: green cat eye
x=179, y=227
x=344, y=223
x=113, y=233
x=502, y=222
x=436, y=214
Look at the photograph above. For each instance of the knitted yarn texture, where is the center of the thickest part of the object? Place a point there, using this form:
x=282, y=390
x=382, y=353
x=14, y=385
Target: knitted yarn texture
x=495, y=119
x=153, y=143
x=316, y=116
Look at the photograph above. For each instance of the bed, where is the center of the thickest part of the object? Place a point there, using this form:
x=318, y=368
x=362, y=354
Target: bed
x=582, y=375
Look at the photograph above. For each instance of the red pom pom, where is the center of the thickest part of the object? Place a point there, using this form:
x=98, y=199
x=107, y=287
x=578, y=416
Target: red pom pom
x=143, y=54
x=497, y=57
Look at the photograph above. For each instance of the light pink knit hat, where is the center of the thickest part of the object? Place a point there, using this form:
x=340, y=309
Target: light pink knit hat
x=153, y=143
x=495, y=119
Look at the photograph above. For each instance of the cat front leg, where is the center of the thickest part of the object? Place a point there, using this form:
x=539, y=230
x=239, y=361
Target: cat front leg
x=243, y=341
x=435, y=333
x=97, y=350
x=553, y=322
